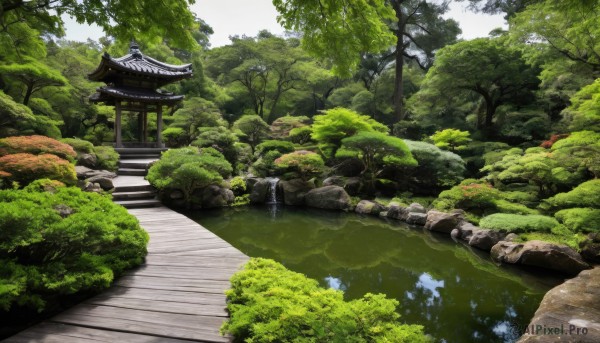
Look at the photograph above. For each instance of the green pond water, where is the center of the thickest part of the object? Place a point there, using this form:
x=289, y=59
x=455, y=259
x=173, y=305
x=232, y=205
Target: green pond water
x=458, y=294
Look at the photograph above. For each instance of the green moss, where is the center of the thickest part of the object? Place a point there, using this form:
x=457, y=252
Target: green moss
x=268, y=303
x=580, y=219
x=519, y=223
x=586, y=194
x=568, y=240
x=107, y=157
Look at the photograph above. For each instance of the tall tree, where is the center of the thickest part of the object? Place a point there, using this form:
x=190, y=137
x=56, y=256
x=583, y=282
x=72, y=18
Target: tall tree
x=34, y=75
x=343, y=30
x=142, y=19
x=486, y=67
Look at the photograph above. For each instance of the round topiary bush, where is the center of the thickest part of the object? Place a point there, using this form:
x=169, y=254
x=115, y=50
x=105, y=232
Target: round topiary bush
x=58, y=240
x=36, y=145
x=25, y=168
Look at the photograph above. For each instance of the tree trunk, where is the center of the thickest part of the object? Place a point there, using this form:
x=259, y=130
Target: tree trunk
x=28, y=94
x=398, y=84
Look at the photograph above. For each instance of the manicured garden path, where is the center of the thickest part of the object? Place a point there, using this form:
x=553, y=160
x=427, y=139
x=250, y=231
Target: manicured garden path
x=176, y=296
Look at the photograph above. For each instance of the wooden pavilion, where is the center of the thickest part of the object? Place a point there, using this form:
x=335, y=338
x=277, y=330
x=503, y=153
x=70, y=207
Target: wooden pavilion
x=133, y=84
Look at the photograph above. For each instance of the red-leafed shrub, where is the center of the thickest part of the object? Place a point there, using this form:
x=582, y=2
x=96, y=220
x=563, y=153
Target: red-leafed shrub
x=549, y=143
x=25, y=168
x=36, y=145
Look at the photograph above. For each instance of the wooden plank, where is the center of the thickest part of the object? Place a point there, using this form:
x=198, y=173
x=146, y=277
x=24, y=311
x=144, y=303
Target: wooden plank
x=162, y=295
x=180, y=326
x=63, y=333
x=163, y=306
x=148, y=282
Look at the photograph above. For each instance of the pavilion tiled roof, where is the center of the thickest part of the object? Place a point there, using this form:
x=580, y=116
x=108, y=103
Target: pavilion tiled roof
x=108, y=94
x=138, y=65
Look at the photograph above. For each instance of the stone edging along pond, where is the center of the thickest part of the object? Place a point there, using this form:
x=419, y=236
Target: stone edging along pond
x=569, y=312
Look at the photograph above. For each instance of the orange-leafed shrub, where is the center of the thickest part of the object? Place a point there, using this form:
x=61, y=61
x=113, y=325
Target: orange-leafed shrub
x=25, y=168
x=549, y=143
x=36, y=145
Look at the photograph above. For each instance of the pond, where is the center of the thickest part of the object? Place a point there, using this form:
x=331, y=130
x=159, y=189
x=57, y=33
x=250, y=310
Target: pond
x=458, y=294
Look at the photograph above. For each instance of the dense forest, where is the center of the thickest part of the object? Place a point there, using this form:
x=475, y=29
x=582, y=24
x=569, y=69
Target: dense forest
x=505, y=128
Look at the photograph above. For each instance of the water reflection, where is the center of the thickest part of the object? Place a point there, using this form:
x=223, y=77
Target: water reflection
x=458, y=295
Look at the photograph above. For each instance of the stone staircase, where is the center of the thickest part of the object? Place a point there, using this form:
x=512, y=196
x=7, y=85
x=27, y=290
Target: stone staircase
x=131, y=189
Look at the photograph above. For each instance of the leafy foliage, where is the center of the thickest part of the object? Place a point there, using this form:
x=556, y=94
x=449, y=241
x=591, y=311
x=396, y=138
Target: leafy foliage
x=586, y=194
x=584, y=112
x=282, y=126
x=300, y=164
x=270, y=145
x=253, y=129
x=36, y=145
x=220, y=138
x=62, y=241
x=435, y=167
x=269, y=303
x=376, y=150
x=519, y=223
x=189, y=169
x=26, y=168
x=580, y=219
x=338, y=123
x=107, y=157
x=79, y=145
x=451, y=139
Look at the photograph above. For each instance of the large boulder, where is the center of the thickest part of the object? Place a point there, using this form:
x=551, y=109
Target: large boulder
x=369, y=207
x=215, y=196
x=352, y=185
x=573, y=307
x=84, y=173
x=294, y=191
x=87, y=160
x=416, y=218
x=328, y=197
x=416, y=207
x=539, y=254
x=465, y=230
x=441, y=221
x=104, y=182
x=396, y=211
x=486, y=239
x=260, y=187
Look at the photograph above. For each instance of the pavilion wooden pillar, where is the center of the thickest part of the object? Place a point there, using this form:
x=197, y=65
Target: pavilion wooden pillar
x=159, y=124
x=145, y=127
x=118, y=141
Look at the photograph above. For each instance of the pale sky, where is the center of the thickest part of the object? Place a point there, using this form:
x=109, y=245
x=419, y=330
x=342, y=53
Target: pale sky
x=239, y=17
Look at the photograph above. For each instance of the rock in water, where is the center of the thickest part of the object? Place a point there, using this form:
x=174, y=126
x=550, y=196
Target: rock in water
x=369, y=207
x=441, y=222
x=294, y=191
x=539, y=254
x=259, y=191
x=573, y=307
x=328, y=197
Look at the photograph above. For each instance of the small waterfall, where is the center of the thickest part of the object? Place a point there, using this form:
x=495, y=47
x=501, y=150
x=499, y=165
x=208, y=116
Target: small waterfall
x=272, y=197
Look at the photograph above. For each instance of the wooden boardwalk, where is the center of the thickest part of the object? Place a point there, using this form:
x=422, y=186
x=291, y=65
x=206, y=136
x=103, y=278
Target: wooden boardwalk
x=176, y=296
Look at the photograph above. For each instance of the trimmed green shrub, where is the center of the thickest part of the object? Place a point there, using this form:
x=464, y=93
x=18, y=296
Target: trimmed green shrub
x=175, y=137
x=580, y=219
x=300, y=164
x=586, y=194
x=519, y=223
x=251, y=128
x=25, y=168
x=219, y=138
x=301, y=135
x=282, y=126
x=79, y=145
x=107, y=157
x=270, y=145
x=237, y=185
x=36, y=145
x=435, y=167
x=451, y=139
x=268, y=303
x=62, y=241
x=265, y=165
x=189, y=169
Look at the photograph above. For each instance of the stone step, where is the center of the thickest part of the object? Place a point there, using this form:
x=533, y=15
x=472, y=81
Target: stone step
x=128, y=171
x=129, y=151
x=143, y=203
x=139, y=156
x=133, y=165
x=134, y=195
x=136, y=188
